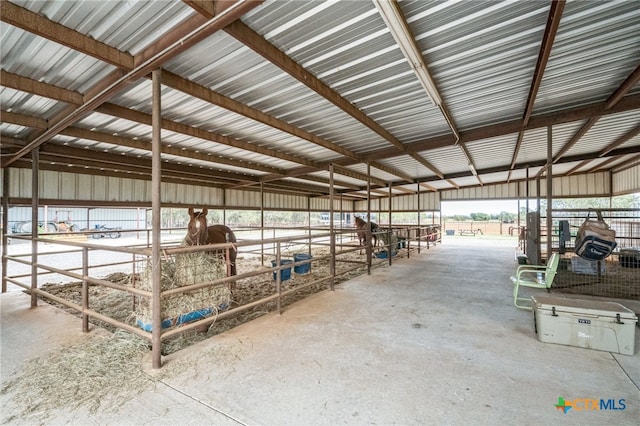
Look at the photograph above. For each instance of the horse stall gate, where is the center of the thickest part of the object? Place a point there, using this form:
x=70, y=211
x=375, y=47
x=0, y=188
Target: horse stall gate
x=617, y=276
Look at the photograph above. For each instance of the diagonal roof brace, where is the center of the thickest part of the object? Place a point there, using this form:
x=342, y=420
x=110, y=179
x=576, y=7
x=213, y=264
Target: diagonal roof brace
x=235, y=11
x=392, y=15
x=396, y=23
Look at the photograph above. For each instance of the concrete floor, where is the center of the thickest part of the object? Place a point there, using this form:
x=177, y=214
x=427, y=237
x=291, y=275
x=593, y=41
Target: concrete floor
x=432, y=340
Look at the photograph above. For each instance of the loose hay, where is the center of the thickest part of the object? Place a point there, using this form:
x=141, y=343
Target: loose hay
x=105, y=372
x=180, y=271
x=119, y=305
x=84, y=375
x=113, y=303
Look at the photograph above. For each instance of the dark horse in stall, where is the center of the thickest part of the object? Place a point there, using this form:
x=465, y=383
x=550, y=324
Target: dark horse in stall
x=199, y=233
x=361, y=230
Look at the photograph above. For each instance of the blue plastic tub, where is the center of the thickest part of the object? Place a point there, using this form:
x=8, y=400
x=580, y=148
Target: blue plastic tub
x=302, y=269
x=286, y=272
x=184, y=318
x=383, y=254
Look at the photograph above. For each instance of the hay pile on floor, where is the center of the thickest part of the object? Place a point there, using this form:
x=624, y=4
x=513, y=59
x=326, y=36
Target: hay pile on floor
x=104, y=368
x=180, y=271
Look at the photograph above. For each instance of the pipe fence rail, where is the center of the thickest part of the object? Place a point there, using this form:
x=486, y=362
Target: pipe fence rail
x=317, y=256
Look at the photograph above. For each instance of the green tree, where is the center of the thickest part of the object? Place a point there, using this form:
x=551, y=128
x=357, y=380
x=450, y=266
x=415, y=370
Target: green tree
x=620, y=202
x=480, y=217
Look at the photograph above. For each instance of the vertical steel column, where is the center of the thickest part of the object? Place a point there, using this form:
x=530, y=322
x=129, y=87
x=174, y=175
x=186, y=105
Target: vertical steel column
x=35, y=193
x=527, y=192
x=262, y=222
x=342, y=216
x=5, y=225
x=549, y=189
x=156, y=200
x=138, y=222
x=331, y=195
x=309, y=221
x=390, y=248
x=85, y=289
x=519, y=195
x=419, y=214
x=224, y=206
x=539, y=234
x=369, y=236
x=610, y=192
x=279, y=278
x=332, y=243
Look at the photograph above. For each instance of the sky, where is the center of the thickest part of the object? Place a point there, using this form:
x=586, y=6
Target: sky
x=479, y=206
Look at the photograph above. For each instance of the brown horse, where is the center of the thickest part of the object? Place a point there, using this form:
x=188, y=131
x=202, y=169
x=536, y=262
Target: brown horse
x=199, y=233
x=362, y=228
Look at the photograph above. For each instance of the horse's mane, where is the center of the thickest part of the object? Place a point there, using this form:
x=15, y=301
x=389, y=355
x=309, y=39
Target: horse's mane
x=361, y=223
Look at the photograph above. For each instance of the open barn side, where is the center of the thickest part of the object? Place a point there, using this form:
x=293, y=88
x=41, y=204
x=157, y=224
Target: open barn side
x=439, y=329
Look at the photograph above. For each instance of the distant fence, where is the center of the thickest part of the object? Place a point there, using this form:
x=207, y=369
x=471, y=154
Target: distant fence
x=480, y=227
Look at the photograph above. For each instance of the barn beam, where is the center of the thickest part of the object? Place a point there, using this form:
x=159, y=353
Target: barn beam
x=43, y=89
x=614, y=98
x=82, y=157
x=41, y=124
x=143, y=118
x=258, y=44
x=34, y=23
x=152, y=59
x=550, y=31
x=232, y=105
x=628, y=103
x=46, y=90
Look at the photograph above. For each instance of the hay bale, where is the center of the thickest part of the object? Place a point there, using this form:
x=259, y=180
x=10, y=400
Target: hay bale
x=179, y=271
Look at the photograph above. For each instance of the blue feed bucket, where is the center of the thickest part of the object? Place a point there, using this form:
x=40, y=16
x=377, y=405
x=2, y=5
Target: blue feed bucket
x=286, y=272
x=302, y=269
x=402, y=243
x=384, y=255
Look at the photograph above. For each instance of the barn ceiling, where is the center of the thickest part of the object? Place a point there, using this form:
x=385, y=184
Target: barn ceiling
x=412, y=95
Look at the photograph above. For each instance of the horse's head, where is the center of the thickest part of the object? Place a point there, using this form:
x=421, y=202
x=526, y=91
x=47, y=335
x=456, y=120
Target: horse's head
x=360, y=223
x=197, y=232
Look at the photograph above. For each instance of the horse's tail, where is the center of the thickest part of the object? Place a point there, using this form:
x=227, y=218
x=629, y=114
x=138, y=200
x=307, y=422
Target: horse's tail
x=230, y=236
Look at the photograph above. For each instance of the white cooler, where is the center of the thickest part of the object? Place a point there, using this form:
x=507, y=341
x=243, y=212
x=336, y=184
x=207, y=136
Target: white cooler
x=592, y=324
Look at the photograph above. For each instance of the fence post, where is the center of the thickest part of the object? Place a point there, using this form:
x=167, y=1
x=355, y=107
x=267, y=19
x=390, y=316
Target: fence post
x=278, y=277
x=332, y=260
x=390, y=248
x=85, y=289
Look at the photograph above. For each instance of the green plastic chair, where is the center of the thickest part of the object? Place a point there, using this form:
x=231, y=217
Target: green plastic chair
x=526, y=275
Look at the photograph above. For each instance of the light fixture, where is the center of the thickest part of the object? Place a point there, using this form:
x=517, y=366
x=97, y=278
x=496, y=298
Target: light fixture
x=392, y=16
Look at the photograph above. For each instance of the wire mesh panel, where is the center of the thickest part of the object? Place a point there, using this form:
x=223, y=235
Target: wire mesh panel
x=617, y=275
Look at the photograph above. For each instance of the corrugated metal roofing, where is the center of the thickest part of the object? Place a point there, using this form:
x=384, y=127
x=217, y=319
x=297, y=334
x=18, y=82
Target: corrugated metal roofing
x=595, y=50
x=488, y=153
x=337, y=89
x=482, y=55
x=448, y=158
x=609, y=128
